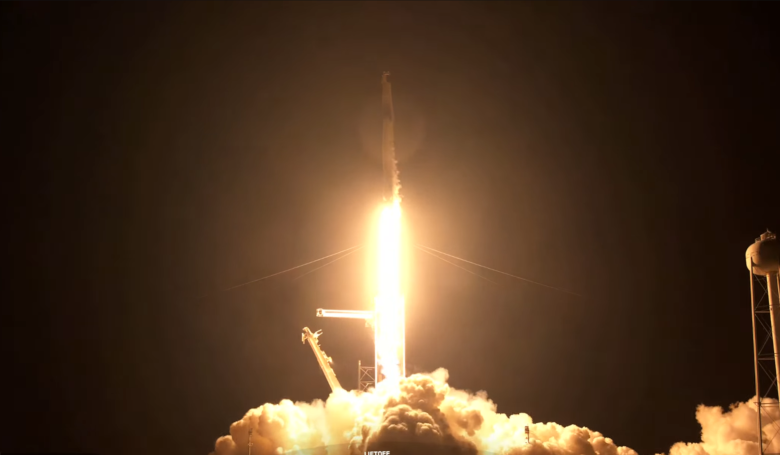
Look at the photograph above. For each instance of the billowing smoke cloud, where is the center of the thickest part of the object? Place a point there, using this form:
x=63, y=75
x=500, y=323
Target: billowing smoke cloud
x=734, y=432
x=425, y=412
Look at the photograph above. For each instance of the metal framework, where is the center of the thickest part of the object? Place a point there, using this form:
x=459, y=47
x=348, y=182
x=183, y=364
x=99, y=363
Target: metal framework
x=366, y=375
x=366, y=378
x=764, y=356
x=368, y=316
x=322, y=358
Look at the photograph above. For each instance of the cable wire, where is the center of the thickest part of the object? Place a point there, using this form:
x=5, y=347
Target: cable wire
x=327, y=263
x=454, y=264
x=503, y=273
x=290, y=269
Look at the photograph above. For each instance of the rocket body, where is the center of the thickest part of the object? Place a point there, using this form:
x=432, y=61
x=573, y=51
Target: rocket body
x=388, y=316
x=389, y=326
x=390, y=183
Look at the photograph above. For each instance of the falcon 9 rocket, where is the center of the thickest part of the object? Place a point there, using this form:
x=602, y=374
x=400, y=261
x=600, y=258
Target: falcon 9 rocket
x=388, y=316
x=389, y=330
x=391, y=184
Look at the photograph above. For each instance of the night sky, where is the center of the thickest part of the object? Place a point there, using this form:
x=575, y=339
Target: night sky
x=154, y=154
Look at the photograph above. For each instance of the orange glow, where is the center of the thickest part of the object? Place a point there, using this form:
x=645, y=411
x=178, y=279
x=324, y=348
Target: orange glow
x=389, y=325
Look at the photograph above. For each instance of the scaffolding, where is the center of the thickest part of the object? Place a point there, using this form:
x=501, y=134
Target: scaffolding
x=366, y=377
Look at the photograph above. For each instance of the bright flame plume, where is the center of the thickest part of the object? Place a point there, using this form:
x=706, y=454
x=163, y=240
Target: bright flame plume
x=389, y=329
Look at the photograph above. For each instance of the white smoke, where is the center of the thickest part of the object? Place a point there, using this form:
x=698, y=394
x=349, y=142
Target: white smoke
x=734, y=432
x=423, y=409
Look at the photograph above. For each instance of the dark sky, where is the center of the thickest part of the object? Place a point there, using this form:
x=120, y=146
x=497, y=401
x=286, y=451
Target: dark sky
x=155, y=153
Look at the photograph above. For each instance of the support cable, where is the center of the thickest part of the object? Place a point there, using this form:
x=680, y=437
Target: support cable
x=503, y=273
x=351, y=250
x=327, y=263
x=454, y=264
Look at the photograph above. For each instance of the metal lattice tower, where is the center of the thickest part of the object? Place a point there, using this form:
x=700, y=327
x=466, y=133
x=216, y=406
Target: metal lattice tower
x=366, y=378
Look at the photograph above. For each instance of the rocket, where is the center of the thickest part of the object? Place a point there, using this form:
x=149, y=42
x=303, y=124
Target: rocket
x=390, y=183
x=388, y=317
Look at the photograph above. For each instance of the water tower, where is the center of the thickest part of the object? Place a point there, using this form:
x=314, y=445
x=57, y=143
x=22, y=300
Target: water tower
x=763, y=261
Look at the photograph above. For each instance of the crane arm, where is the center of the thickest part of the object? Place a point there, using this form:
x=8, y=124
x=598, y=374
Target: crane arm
x=322, y=358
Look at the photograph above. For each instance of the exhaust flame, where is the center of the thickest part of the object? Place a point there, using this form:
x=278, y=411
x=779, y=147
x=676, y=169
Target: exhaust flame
x=389, y=329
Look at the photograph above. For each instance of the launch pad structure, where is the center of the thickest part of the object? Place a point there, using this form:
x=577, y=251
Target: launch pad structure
x=388, y=317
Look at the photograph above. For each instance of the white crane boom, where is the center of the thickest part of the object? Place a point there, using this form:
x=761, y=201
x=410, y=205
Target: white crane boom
x=322, y=358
